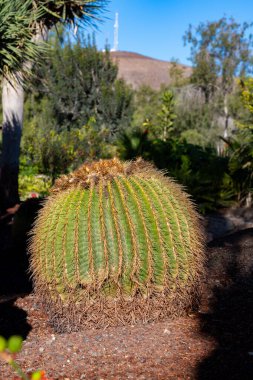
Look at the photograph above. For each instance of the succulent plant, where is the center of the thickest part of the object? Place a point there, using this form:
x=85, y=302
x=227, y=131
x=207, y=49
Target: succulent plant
x=116, y=243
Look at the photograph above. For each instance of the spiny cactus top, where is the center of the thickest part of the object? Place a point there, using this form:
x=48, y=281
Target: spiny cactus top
x=116, y=242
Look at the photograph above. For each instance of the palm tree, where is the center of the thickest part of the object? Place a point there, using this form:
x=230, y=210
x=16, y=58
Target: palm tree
x=23, y=25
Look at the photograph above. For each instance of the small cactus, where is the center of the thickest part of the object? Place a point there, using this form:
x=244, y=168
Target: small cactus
x=116, y=243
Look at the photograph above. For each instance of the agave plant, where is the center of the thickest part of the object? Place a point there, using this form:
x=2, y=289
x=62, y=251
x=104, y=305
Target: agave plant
x=116, y=243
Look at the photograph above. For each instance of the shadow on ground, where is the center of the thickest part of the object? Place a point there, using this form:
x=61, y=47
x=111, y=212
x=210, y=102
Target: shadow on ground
x=230, y=322
x=13, y=320
x=14, y=263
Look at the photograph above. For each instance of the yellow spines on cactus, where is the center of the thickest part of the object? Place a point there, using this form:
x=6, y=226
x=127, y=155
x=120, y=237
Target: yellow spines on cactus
x=116, y=242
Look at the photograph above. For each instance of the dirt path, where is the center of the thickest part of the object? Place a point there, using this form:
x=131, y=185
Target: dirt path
x=214, y=343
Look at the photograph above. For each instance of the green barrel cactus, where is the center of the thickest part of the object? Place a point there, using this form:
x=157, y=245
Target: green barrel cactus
x=116, y=243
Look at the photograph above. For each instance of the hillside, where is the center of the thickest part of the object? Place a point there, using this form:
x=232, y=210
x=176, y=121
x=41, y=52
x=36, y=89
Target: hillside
x=138, y=69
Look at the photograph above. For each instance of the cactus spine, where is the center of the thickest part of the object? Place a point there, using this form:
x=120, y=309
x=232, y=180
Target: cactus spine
x=120, y=240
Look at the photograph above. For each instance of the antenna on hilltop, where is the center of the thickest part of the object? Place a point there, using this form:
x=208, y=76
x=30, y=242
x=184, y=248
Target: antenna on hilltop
x=116, y=33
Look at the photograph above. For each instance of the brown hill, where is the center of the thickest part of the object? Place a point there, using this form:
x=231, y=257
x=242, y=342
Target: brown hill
x=138, y=70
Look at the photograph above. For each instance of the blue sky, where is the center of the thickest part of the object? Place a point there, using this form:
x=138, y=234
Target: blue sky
x=155, y=27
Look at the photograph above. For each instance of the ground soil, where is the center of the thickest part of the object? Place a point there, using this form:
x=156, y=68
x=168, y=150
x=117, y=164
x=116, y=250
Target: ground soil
x=215, y=342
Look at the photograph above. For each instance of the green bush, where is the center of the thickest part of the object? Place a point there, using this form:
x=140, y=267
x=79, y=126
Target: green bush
x=34, y=186
x=240, y=152
x=205, y=175
x=55, y=152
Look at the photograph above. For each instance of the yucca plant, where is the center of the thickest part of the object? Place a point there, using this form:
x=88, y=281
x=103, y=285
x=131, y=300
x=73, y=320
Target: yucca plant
x=16, y=32
x=116, y=243
x=24, y=24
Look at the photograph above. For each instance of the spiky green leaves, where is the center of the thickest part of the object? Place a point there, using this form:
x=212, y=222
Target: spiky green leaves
x=75, y=12
x=17, y=47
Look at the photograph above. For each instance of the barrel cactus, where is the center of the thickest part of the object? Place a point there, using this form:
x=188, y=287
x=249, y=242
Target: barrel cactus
x=116, y=242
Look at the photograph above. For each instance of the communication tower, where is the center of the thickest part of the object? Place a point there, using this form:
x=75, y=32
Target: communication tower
x=116, y=33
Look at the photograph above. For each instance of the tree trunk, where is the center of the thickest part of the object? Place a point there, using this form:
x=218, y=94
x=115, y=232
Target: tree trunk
x=225, y=134
x=13, y=109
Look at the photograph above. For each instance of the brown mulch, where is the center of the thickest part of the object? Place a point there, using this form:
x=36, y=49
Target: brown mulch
x=214, y=343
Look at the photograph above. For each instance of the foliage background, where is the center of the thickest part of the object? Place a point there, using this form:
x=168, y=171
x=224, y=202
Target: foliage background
x=76, y=109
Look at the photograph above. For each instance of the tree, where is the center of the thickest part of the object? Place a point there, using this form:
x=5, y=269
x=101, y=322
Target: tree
x=220, y=51
x=16, y=44
x=246, y=87
x=176, y=74
x=72, y=12
x=93, y=88
x=205, y=75
x=64, y=128
x=16, y=48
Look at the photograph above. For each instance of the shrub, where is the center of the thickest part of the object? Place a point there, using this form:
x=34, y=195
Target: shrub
x=116, y=243
x=57, y=152
x=33, y=186
x=205, y=174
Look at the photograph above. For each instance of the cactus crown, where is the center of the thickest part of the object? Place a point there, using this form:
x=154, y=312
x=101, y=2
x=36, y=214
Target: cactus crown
x=104, y=170
x=121, y=235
